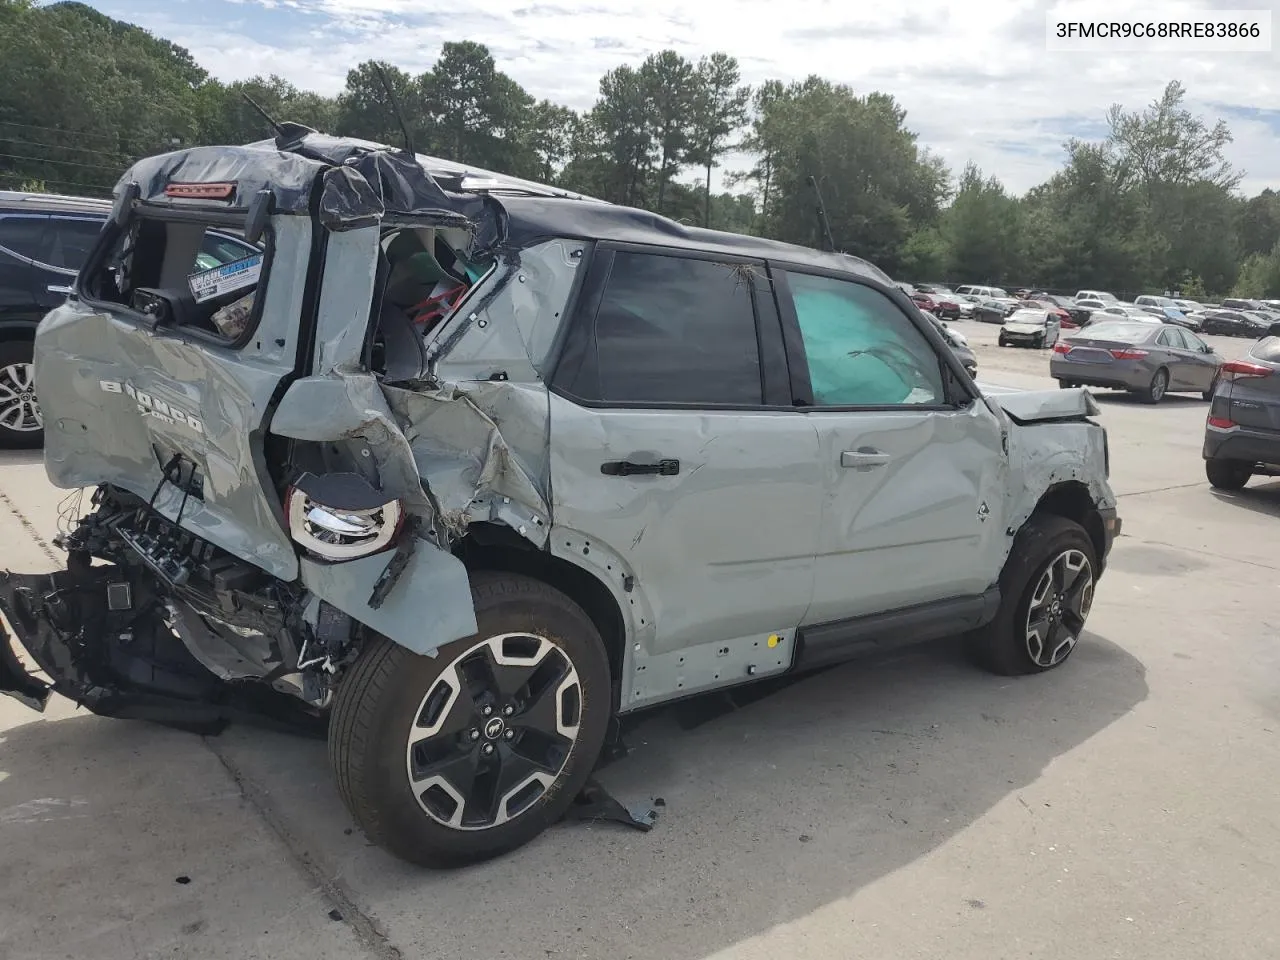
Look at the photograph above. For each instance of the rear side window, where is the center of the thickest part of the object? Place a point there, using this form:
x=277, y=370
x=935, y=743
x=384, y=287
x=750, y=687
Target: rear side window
x=22, y=235
x=183, y=274
x=1267, y=349
x=1123, y=332
x=68, y=242
x=861, y=350
x=672, y=330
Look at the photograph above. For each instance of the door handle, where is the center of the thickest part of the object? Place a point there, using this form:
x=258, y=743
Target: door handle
x=864, y=459
x=625, y=468
x=57, y=288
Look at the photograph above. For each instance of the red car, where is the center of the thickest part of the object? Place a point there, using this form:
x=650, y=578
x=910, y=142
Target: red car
x=1064, y=318
x=944, y=308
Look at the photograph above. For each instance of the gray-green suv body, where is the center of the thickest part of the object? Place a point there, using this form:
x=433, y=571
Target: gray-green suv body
x=470, y=467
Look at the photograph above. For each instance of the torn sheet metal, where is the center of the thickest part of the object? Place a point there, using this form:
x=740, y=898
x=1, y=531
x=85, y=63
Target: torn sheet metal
x=429, y=607
x=354, y=408
x=462, y=455
x=509, y=331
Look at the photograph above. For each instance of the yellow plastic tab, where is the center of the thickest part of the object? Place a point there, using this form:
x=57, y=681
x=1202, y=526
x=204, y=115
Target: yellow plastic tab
x=774, y=640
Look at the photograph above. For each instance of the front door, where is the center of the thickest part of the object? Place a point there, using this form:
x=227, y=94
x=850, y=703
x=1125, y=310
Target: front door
x=913, y=483
x=673, y=448
x=1202, y=363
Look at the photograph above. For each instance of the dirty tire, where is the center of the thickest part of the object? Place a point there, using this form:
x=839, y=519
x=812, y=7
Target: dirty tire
x=1157, y=388
x=15, y=355
x=1002, y=646
x=379, y=700
x=1228, y=474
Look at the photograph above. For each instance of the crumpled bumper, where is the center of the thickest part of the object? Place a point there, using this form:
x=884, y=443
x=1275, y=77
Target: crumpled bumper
x=103, y=642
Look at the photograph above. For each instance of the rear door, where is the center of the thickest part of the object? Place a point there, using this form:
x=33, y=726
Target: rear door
x=913, y=484
x=674, y=449
x=64, y=248
x=1173, y=354
x=20, y=239
x=159, y=377
x=1202, y=362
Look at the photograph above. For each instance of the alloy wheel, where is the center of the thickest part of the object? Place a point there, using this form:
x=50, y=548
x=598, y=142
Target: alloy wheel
x=1059, y=607
x=1159, y=383
x=494, y=732
x=19, y=409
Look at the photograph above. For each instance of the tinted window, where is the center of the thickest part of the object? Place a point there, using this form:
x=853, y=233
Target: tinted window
x=22, y=235
x=1268, y=350
x=673, y=330
x=861, y=349
x=67, y=243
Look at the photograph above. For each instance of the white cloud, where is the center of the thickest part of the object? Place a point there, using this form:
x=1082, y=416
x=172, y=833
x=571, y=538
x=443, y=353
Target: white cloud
x=976, y=79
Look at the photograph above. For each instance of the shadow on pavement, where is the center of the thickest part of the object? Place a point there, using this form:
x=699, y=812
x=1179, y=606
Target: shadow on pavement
x=1261, y=496
x=20, y=457
x=772, y=811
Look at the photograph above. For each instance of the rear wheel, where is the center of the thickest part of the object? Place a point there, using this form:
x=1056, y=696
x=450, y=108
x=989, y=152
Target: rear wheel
x=20, y=422
x=466, y=755
x=1156, y=390
x=1046, y=592
x=1228, y=474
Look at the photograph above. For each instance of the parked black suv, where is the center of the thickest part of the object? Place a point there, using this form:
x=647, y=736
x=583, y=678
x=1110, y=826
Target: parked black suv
x=44, y=240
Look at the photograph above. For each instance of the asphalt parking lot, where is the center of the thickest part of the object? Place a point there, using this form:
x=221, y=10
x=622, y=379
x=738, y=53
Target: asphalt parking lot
x=1122, y=806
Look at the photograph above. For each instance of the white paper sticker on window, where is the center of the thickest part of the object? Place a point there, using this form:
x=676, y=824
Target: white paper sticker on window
x=225, y=279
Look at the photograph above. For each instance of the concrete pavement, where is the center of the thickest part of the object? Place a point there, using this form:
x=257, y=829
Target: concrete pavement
x=1122, y=806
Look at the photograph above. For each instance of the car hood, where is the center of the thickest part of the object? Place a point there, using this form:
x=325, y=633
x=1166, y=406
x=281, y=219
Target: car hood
x=1038, y=406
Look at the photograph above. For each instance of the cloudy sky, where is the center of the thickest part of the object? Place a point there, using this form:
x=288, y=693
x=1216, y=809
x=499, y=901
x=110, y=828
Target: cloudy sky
x=975, y=77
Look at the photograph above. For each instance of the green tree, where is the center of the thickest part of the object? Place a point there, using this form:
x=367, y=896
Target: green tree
x=622, y=134
x=671, y=91
x=720, y=110
x=365, y=110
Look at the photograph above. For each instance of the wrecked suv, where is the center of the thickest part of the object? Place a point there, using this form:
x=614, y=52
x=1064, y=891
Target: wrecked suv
x=470, y=468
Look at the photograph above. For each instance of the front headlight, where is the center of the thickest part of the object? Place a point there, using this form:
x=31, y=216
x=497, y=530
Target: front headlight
x=357, y=528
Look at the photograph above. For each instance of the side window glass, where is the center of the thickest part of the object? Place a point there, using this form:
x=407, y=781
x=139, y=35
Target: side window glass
x=673, y=330
x=23, y=235
x=1167, y=339
x=67, y=243
x=861, y=349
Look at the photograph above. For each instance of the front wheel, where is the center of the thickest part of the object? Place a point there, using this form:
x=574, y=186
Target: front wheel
x=456, y=758
x=1228, y=474
x=1046, y=592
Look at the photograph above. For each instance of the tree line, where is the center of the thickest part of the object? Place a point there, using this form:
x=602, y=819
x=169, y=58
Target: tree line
x=1153, y=206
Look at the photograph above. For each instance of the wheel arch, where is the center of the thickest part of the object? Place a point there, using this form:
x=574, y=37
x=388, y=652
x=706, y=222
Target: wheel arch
x=17, y=331
x=1071, y=500
x=496, y=547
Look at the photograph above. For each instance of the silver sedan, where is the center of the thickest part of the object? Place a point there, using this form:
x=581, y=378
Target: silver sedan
x=1149, y=359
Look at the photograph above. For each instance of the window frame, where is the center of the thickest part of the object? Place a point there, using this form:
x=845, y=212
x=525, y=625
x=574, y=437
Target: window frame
x=956, y=386
x=210, y=219
x=583, y=309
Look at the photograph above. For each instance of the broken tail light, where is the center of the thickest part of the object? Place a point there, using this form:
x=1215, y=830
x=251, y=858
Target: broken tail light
x=1128, y=354
x=1242, y=370
x=336, y=533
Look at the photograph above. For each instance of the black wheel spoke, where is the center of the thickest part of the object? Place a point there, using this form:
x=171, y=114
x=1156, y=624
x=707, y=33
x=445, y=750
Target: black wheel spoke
x=458, y=769
x=507, y=771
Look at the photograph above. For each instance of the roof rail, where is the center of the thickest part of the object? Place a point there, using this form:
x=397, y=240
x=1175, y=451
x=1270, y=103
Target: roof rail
x=17, y=196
